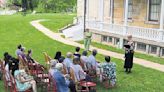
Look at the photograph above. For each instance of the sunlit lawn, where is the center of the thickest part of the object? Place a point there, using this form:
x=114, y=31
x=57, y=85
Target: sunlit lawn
x=16, y=29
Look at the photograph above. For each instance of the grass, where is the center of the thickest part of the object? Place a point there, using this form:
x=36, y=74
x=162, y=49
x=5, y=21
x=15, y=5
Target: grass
x=16, y=29
x=121, y=51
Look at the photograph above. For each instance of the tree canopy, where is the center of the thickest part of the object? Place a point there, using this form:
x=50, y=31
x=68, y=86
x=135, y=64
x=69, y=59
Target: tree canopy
x=48, y=5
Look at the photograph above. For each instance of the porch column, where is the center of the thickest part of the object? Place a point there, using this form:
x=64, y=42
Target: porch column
x=125, y=23
x=161, y=20
x=111, y=10
x=101, y=13
x=87, y=8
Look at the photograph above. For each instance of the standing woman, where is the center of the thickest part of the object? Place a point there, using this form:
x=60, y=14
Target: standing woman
x=129, y=52
x=87, y=39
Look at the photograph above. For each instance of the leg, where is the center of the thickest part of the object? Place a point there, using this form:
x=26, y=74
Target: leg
x=85, y=44
x=72, y=86
x=33, y=83
x=126, y=70
x=88, y=44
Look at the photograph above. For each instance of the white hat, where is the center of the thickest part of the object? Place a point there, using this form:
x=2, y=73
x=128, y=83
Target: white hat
x=59, y=66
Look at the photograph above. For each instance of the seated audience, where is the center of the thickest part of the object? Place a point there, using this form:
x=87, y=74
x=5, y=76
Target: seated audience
x=23, y=55
x=62, y=81
x=11, y=62
x=7, y=59
x=61, y=59
x=77, y=53
x=109, y=71
x=18, y=51
x=24, y=81
x=84, y=59
x=58, y=55
x=52, y=66
x=68, y=61
x=78, y=71
x=29, y=57
x=92, y=64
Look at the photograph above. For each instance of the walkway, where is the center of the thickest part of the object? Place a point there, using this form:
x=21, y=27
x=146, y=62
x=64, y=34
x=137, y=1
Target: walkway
x=57, y=37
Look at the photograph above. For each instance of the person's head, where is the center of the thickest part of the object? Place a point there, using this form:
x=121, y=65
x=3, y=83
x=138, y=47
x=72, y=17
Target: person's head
x=85, y=53
x=19, y=46
x=61, y=59
x=52, y=63
x=76, y=61
x=69, y=55
x=77, y=49
x=58, y=55
x=29, y=52
x=6, y=54
x=129, y=37
x=107, y=59
x=86, y=30
x=94, y=52
x=23, y=49
x=59, y=66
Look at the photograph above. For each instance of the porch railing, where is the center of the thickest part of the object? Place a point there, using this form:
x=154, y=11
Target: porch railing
x=139, y=32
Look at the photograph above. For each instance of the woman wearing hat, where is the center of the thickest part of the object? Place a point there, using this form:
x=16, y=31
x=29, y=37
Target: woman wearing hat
x=129, y=52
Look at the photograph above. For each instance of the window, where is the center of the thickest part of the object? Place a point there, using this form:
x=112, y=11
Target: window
x=104, y=38
x=141, y=46
x=130, y=9
x=110, y=39
x=153, y=49
x=154, y=10
x=163, y=52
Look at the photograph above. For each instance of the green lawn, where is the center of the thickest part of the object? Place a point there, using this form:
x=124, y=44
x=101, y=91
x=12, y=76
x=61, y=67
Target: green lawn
x=16, y=29
x=137, y=54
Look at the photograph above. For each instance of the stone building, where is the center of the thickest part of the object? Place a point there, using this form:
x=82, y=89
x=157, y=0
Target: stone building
x=112, y=20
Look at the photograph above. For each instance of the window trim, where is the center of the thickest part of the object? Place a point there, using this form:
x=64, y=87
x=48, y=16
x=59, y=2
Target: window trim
x=148, y=15
x=129, y=19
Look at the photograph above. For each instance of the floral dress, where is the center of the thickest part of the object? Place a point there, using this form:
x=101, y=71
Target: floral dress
x=109, y=71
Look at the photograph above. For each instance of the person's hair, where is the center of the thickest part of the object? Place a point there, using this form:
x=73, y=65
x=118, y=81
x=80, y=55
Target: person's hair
x=76, y=61
x=59, y=66
x=29, y=51
x=61, y=59
x=129, y=36
x=52, y=63
x=6, y=54
x=57, y=55
x=7, y=58
x=77, y=49
x=69, y=55
x=23, y=48
x=85, y=53
x=19, y=46
x=107, y=58
x=94, y=52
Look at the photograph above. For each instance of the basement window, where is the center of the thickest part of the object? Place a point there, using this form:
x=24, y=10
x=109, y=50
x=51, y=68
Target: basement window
x=153, y=49
x=141, y=46
x=104, y=39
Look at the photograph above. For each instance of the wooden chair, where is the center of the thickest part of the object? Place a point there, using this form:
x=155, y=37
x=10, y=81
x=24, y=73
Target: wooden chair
x=64, y=69
x=52, y=87
x=81, y=84
x=47, y=59
x=23, y=63
x=14, y=86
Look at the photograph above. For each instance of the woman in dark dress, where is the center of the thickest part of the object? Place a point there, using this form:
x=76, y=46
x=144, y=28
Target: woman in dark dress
x=129, y=52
